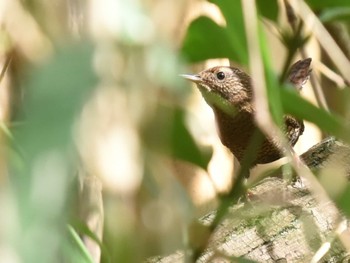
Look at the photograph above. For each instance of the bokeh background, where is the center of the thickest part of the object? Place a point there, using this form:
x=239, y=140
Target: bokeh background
x=107, y=155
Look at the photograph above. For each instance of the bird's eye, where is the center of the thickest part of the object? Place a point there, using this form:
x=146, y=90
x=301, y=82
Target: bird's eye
x=220, y=75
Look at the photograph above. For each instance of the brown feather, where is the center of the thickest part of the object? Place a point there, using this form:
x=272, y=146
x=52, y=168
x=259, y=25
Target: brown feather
x=229, y=92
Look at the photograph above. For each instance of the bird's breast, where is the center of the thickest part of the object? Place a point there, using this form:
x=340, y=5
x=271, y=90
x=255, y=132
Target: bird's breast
x=235, y=131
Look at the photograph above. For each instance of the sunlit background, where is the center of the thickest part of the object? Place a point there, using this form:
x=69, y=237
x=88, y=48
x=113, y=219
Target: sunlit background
x=100, y=137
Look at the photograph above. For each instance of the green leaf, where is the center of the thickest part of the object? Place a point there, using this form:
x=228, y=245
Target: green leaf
x=167, y=133
x=335, y=14
x=75, y=250
x=205, y=40
x=232, y=11
x=344, y=201
x=268, y=9
x=82, y=228
x=272, y=85
x=320, y=4
x=56, y=92
x=183, y=146
x=295, y=105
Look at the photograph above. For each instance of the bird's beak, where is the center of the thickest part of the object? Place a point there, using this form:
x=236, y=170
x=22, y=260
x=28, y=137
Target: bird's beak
x=194, y=78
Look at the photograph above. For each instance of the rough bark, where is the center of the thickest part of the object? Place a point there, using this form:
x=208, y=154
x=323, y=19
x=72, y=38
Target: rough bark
x=280, y=221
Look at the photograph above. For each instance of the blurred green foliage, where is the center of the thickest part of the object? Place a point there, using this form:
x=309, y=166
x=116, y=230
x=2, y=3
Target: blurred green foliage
x=44, y=179
x=174, y=139
x=317, y=5
x=215, y=36
x=55, y=92
x=205, y=39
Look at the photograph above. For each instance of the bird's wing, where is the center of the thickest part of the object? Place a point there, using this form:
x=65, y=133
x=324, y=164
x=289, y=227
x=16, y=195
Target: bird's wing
x=294, y=128
x=299, y=73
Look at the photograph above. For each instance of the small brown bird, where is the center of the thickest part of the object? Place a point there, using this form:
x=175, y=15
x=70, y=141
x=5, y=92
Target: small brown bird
x=229, y=92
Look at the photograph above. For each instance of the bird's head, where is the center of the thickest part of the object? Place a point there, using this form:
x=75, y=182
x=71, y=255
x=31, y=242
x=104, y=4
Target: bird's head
x=230, y=84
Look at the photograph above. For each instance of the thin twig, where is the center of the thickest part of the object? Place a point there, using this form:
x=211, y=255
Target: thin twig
x=321, y=99
x=330, y=74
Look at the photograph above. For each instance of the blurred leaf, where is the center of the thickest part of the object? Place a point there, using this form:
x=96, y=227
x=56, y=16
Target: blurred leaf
x=294, y=104
x=182, y=144
x=319, y=4
x=335, y=14
x=293, y=42
x=232, y=11
x=340, y=102
x=272, y=85
x=268, y=9
x=56, y=92
x=168, y=134
x=205, y=39
x=344, y=201
x=82, y=228
x=75, y=250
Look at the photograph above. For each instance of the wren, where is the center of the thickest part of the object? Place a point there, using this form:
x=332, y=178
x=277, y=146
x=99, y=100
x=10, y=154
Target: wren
x=229, y=92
